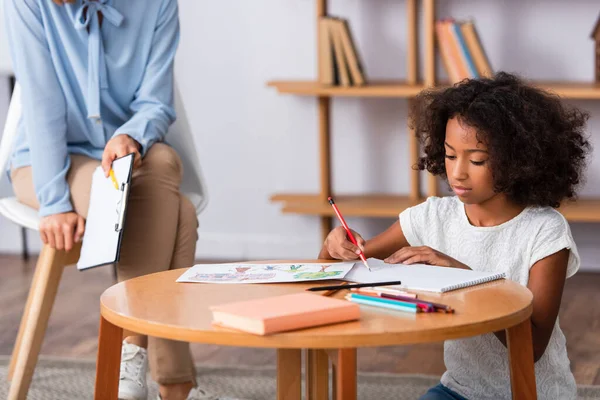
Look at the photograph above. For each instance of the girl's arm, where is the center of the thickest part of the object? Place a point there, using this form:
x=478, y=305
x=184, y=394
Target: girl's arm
x=386, y=243
x=546, y=282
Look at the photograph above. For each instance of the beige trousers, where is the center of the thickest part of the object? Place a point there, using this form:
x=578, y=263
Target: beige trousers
x=160, y=234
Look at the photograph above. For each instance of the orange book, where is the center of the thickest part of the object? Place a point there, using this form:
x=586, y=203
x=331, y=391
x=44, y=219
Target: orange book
x=455, y=51
x=474, y=44
x=284, y=313
x=444, y=46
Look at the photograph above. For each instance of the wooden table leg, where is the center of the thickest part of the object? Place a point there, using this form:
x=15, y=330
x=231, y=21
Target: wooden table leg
x=108, y=361
x=289, y=374
x=520, y=355
x=334, y=381
x=317, y=375
x=345, y=375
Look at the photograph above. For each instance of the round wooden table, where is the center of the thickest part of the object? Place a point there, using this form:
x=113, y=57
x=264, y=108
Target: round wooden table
x=156, y=305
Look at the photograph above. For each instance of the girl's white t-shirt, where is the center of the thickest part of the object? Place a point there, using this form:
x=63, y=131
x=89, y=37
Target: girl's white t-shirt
x=477, y=367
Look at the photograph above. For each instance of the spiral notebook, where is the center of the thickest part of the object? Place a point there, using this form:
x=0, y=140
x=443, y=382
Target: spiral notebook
x=420, y=277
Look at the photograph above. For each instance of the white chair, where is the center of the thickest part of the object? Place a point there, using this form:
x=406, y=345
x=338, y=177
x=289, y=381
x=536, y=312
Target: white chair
x=6, y=71
x=50, y=264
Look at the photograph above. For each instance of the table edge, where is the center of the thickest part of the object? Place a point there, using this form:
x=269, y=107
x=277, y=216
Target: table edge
x=289, y=340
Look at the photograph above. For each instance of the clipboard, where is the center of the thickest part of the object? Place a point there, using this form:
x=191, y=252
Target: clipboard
x=106, y=216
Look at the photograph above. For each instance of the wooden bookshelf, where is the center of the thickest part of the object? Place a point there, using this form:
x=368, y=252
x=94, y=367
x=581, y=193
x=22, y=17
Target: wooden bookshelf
x=403, y=89
x=379, y=205
x=390, y=206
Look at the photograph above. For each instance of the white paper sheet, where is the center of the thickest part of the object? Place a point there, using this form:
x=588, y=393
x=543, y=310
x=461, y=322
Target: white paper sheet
x=101, y=240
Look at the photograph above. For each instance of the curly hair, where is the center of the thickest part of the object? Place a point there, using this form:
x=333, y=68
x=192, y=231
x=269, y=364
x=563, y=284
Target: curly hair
x=536, y=143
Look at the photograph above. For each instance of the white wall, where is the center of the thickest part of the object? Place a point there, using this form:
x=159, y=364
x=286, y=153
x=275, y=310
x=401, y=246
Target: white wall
x=253, y=142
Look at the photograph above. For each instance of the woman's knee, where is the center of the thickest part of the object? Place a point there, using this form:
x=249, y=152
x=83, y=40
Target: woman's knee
x=162, y=160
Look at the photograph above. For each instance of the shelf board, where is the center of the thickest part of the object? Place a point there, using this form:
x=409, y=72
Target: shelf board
x=572, y=90
x=374, y=89
x=372, y=205
x=402, y=89
x=390, y=206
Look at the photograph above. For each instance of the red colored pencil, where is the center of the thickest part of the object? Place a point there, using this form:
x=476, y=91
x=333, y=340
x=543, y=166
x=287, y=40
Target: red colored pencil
x=348, y=231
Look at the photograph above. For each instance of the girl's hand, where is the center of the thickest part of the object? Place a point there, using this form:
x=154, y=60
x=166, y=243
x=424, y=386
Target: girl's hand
x=337, y=245
x=62, y=231
x=423, y=255
x=120, y=146
x=60, y=2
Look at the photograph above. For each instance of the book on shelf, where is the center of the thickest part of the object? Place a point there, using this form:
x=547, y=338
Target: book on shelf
x=473, y=42
x=340, y=61
x=327, y=66
x=340, y=55
x=351, y=52
x=461, y=50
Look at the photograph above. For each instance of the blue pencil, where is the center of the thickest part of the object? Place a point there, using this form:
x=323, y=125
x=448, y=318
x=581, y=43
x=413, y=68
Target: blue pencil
x=383, y=303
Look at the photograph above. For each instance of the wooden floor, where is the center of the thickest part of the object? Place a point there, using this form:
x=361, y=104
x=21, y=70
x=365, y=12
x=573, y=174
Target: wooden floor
x=73, y=326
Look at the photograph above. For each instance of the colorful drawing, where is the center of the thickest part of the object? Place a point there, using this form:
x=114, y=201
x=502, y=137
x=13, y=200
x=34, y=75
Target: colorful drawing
x=292, y=269
x=228, y=277
x=317, y=275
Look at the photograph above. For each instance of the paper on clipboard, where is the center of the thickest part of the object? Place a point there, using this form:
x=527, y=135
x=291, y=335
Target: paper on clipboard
x=106, y=215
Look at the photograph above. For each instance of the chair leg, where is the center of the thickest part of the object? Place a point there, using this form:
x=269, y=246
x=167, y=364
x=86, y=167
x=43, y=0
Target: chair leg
x=17, y=347
x=50, y=265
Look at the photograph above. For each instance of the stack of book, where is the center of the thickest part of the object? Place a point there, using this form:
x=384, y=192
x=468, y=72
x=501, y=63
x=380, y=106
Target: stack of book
x=340, y=62
x=461, y=50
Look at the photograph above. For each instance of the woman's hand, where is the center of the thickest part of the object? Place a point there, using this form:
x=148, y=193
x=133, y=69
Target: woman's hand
x=61, y=2
x=61, y=231
x=423, y=255
x=337, y=245
x=120, y=146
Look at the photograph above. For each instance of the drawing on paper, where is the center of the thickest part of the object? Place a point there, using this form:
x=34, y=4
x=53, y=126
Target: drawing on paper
x=264, y=273
x=229, y=277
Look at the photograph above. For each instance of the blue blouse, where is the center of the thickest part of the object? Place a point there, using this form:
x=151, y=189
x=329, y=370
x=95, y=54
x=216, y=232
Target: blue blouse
x=84, y=82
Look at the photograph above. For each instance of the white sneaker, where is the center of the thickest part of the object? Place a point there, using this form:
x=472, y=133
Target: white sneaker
x=134, y=365
x=199, y=394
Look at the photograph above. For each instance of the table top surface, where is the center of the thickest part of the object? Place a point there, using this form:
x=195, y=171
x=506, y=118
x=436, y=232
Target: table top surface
x=156, y=305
